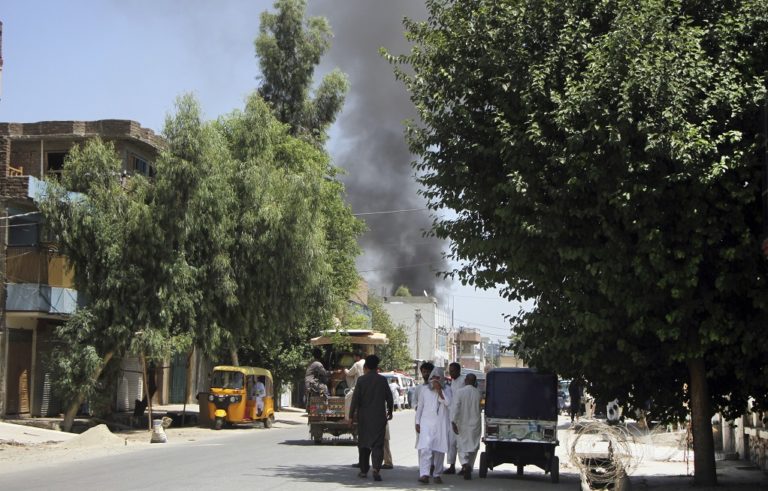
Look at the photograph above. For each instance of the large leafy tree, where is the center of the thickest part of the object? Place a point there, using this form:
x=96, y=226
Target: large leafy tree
x=281, y=254
x=604, y=159
x=289, y=49
x=105, y=230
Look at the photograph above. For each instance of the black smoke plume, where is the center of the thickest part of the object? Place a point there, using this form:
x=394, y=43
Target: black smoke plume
x=369, y=143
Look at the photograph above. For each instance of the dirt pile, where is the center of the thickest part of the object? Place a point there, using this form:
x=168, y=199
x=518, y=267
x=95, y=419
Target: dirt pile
x=98, y=436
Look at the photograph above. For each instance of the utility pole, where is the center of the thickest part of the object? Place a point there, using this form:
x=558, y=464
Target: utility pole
x=418, y=330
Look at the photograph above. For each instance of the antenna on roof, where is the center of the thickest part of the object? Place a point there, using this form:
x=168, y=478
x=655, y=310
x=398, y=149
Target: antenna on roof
x=1, y=59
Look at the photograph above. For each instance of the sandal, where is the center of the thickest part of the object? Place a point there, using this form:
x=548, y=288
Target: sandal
x=438, y=480
x=424, y=479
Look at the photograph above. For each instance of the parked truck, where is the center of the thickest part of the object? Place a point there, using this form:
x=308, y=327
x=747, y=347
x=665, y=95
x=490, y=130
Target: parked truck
x=329, y=415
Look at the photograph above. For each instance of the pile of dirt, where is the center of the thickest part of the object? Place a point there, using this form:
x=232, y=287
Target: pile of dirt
x=98, y=436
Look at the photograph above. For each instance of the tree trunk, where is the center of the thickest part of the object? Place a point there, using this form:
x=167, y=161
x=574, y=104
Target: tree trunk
x=187, y=386
x=69, y=416
x=235, y=358
x=146, y=391
x=704, y=469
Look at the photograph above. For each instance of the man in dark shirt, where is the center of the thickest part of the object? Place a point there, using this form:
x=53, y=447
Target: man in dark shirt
x=372, y=406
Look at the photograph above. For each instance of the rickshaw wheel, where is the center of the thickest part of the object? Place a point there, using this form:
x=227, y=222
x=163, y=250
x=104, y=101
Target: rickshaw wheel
x=219, y=424
x=520, y=469
x=483, y=470
x=555, y=469
x=269, y=421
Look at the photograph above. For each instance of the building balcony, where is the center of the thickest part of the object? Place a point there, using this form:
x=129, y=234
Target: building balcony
x=38, y=281
x=37, y=265
x=41, y=299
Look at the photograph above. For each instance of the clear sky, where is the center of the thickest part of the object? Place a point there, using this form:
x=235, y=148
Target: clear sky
x=130, y=59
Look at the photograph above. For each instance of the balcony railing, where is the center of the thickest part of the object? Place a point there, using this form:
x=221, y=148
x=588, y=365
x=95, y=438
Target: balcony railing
x=31, y=297
x=15, y=171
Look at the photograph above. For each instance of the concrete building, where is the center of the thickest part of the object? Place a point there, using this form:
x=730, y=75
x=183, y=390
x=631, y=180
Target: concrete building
x=469, y=348
x=427, y=326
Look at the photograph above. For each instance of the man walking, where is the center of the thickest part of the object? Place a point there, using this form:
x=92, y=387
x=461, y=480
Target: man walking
x=467, y=424
x=457, y=382
x=575, y=390
x=372, y=407
x=433, y=426
x=425, y=369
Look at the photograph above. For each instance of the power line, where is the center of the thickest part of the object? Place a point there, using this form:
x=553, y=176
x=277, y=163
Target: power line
x=389, y=212
x=397, y=267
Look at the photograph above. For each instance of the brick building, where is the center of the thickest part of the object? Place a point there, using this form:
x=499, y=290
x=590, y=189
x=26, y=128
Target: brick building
x=37, y=293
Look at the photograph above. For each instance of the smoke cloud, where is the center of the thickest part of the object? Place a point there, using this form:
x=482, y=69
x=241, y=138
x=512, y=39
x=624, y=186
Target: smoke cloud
x=368, y=142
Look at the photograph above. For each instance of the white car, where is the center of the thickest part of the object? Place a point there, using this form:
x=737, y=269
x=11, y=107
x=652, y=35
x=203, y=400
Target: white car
x=404, y=383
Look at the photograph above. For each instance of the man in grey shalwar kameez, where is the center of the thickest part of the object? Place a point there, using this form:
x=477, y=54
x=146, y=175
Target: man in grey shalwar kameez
x=372, y=406
x=467, y=423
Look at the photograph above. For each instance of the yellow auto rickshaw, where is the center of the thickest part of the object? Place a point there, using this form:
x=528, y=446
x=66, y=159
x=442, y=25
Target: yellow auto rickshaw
x=241, y=395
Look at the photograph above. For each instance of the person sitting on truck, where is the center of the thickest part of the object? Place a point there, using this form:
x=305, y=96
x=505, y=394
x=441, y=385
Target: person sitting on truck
x=316, y=378
x=355, y=371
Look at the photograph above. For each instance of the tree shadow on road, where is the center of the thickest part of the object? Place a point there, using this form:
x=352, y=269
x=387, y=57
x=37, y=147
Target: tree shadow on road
x=344, y=442
x=405, y=477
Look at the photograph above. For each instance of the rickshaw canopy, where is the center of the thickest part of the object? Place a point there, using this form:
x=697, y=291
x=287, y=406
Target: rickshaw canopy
x=352, y=336
x=244, y=370
x=521, y=393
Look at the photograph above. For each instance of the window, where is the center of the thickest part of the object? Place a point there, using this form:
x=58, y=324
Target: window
x=140, y=166
x=55, y=162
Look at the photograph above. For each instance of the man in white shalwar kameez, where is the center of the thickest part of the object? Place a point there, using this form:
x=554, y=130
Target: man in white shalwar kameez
x=467, y=423
x=433, y=425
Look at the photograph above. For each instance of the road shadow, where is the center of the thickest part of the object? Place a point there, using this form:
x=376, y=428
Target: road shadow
x=406, y=477
x=326, y=442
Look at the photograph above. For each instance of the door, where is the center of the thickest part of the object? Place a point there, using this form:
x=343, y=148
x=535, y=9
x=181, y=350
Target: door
x=178, y=389
x=19, y=371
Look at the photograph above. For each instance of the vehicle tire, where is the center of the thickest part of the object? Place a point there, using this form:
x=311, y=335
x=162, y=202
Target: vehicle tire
x=520, y=469
x=554, y=470
x=269, y=421
x=219, y=424
x=483, y=470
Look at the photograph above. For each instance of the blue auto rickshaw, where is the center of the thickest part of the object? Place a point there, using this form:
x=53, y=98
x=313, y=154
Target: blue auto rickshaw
x=520, y=421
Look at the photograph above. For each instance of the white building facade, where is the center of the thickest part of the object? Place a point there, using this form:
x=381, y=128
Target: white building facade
x=427, y=326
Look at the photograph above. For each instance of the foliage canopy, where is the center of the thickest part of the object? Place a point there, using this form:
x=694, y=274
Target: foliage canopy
x=604, y=158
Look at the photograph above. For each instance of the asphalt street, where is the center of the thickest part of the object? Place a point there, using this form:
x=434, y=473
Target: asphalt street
x=255, y=458
x=285, y=458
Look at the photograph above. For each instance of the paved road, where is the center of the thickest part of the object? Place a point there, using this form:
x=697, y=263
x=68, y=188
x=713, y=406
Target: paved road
x=285, y=458
x=259, y=459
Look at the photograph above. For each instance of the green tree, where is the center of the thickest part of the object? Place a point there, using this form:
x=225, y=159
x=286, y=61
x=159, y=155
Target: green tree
x=105, y=231
x=295, y=241
x=403, y=291
x=289, y=49
x=604, y=159
x=195, y=208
